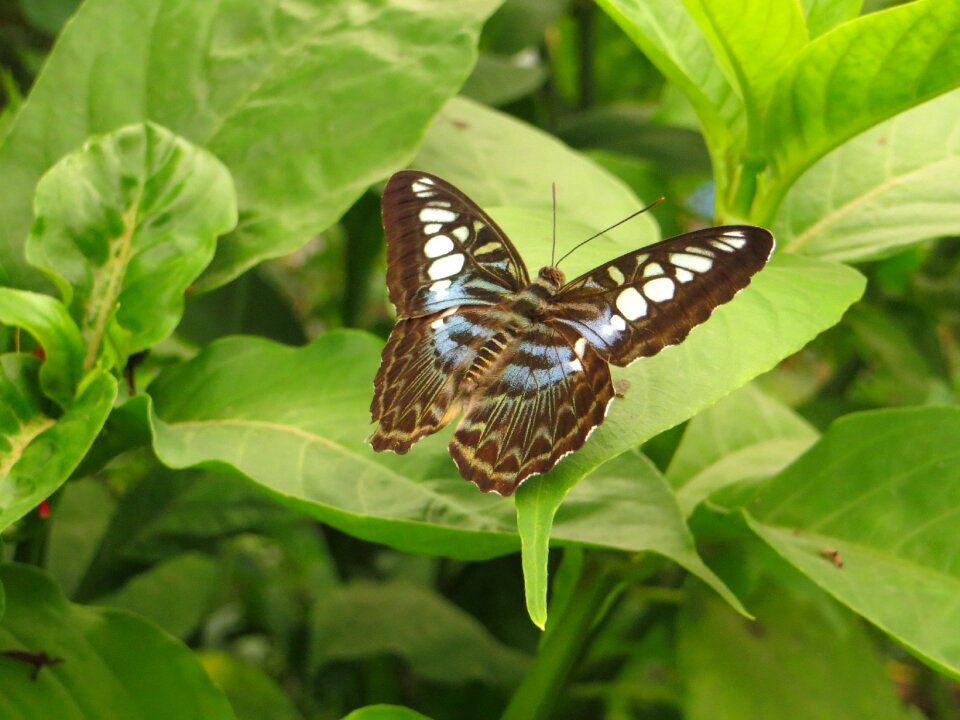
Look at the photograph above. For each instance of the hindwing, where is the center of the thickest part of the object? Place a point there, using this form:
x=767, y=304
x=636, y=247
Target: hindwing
x=442, y=249
x=646, y=300
x=546, y=396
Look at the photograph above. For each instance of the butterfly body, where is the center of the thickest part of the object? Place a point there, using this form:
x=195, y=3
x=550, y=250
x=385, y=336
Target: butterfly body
x=526, y=362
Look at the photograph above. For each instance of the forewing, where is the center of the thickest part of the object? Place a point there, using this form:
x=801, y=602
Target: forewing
x=423, y=363
x=442, y=249
x=547, y=395
x=646, y=300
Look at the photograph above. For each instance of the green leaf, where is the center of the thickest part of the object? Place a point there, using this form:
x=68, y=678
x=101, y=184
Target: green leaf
x=365, y=619
x=668, y=35
x=824, y=15
x=746, y=436
x=307, y=103
x=852, y=78
x=740, y=666
x=888, y=187
x=123, y=226
x=756, y=40
x=784, y=308
x=252, y=693
x=106, y=654
x=50, y=324
x=174, y=594
x=38, y=452
x=506, y=166
x=385, y=712
x=498, y=80
x=882, y=489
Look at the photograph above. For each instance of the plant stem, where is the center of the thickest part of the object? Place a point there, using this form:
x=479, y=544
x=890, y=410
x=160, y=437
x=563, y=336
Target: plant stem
x=539, y=692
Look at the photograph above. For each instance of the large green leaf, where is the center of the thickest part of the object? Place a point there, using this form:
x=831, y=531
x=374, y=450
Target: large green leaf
x=385, y=712
x=882, y=489
x=123, y=226
x=824, y=15
x=784, y=308
x=47, y=319
x=746, y=436
x=307, y=103
x=756, y=40
x=115, y=665
x=668, y=35
x=365, y=619
x=740, y=666
x=852, y=78
x=38, y=451
x=890, y=186
x=507, y=166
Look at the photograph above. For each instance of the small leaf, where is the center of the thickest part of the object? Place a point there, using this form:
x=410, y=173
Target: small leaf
x=106, y=653
x=38, y=452
x=50, y=324
x=882, y=489
x=123, y=226
x=738, y=665
x=364, y=619
x=385, y=712
x=886, y=188
x=852, y=78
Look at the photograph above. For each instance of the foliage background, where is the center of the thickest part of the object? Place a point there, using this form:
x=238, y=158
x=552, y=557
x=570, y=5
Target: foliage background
x=193, y=310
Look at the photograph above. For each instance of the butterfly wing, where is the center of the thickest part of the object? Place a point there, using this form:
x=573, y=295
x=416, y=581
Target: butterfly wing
x=547, y=396
x=423, y=363
x=646, y=300
x=442, y=249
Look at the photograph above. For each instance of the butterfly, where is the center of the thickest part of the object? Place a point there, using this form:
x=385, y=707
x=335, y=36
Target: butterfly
x=527, y=363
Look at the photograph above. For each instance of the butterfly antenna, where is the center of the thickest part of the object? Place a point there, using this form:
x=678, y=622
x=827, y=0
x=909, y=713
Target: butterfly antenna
x=553, y=248
x=618, y=224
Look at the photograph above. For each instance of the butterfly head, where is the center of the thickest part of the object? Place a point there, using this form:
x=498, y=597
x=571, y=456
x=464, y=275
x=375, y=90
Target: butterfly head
x=551, y=277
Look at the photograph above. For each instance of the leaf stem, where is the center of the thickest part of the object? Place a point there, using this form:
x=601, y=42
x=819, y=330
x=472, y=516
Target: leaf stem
x=567, y=637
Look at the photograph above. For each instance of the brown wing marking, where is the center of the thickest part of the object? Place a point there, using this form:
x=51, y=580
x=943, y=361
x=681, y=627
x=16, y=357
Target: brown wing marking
x=548, y=396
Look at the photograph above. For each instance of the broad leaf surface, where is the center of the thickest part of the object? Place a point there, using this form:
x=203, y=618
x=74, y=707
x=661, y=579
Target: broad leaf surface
x=740, y=665
x=882, y=489
x=506, y=166
x=106, y=653
x=48, y=321
x=824, y=15
x=852, y=78
x=38, y=451
x=668, y=35
x=785, y=306
x=746, y=436
x=756, y=40
x=307, y=103
x=253, y=694
x=890, y=186
x=123, y=226
x=363, y=620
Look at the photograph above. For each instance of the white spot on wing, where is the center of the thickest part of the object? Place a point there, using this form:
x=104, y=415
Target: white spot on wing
x=419, y=187
x=659, y=290
x=699, y=251
x=684, y=275
x=432, y=228
x=441, y=288
x=426, y=181
x=632, y=304
x=735, y=233
x=461, y=233
x=579, y=346
x=432, y=214
x=614, y=272
x=652, y=269
x=576, y=365
x=738, y=241
x=438, y=323
x=445, y=266
x=720, y=245
x=489, y=247
x=438, y=245
x=697, y=263
x=439, y=203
